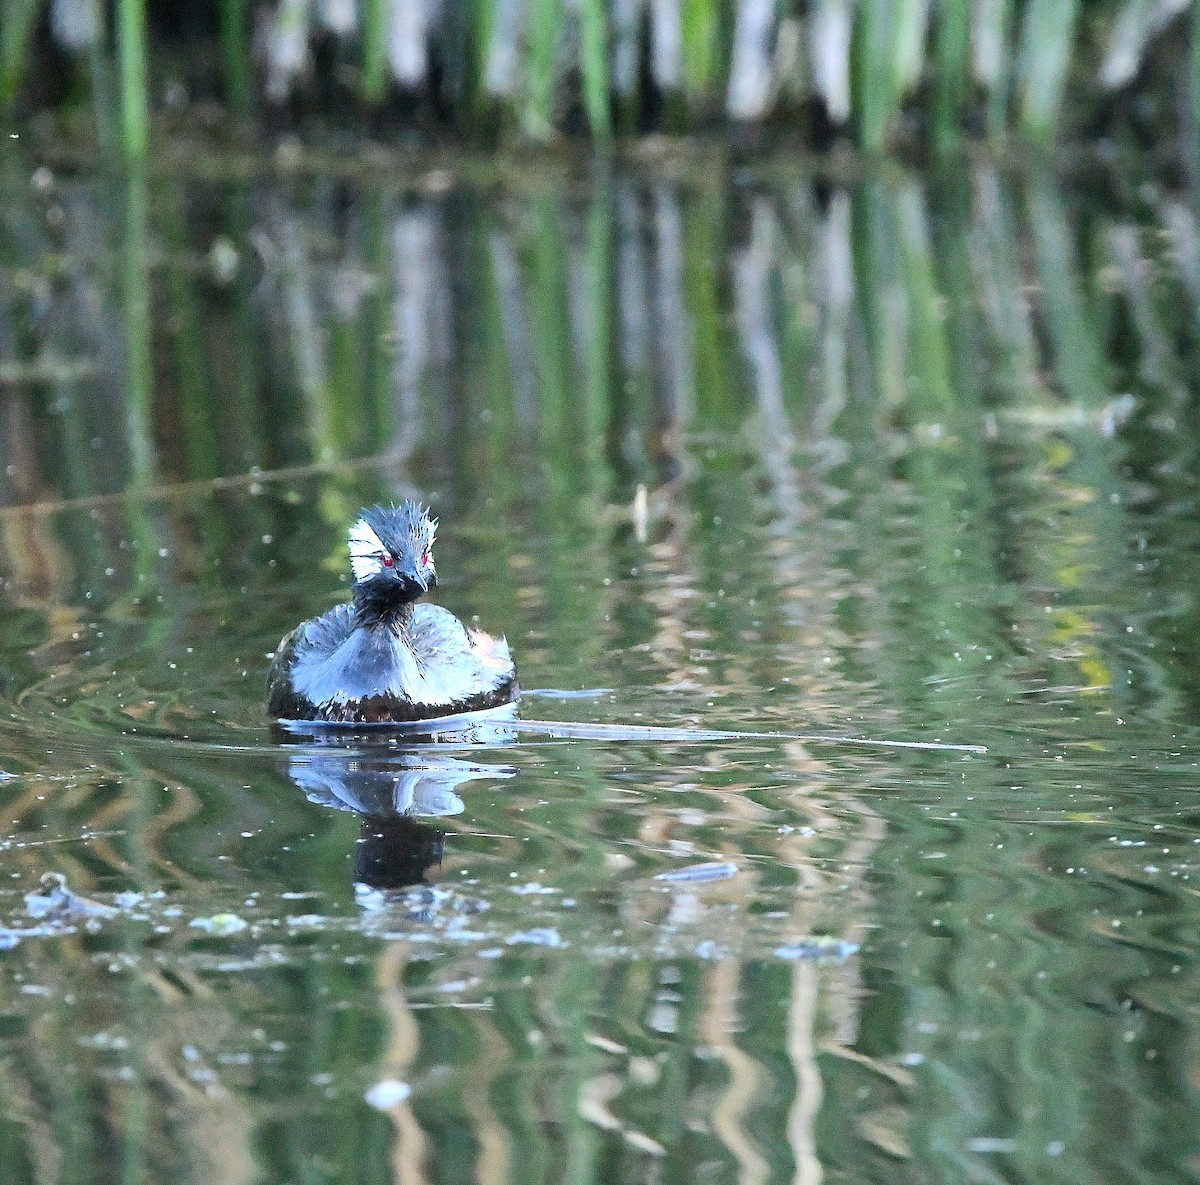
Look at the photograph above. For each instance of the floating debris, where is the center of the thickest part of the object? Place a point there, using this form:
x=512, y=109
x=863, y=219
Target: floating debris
x=307, y=921
x=10, y=936
x=834, y=949
x=539, y=937
x=221, y=925
x=1000, y=1145
x=47, y=371
x=713, y=870
x=383, y=1096
x=60, y=902
x=455, y=932
x=561, y=693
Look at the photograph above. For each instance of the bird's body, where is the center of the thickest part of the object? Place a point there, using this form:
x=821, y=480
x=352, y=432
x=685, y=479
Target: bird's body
x=383, y=658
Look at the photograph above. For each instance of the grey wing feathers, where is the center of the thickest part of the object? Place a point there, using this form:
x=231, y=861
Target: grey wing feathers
x=322, y=633
x=434, y=628
x=327, y=632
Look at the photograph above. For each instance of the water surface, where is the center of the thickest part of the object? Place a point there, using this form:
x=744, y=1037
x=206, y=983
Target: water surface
x=905, y=457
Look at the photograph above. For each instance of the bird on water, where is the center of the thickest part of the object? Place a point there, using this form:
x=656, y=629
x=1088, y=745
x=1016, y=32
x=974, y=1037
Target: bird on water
x=384, y=658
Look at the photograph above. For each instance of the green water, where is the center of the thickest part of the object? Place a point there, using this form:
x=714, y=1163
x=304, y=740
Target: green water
x=896, y=456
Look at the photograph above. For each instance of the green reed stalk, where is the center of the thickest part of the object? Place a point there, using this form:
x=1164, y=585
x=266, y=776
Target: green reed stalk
x=991, y=34
x=376, y=375
x=1046, y=42
x=16, y=31
x=374, y=76
x=934, y=397
x=492, y=375
x=700, y=27
x=1075, y=338
x=134, y=1152
x=877, y=272
x=1012, y=358
x=234, y=346
x=876, y=90
x=134, y=285
x=597, y=355
x=909, y=37
x=105, y=92
x=347, y=398
x=1151, y=310
x=235, y=56
x=481, y=22
x=702, y=243
x=1077, y=345
x=131, y=48
x=543, y=25
x=951, y=78
x=544, y=260
x=241, y=427
x=191, y=350
x=1194, y=91
x=594, y=65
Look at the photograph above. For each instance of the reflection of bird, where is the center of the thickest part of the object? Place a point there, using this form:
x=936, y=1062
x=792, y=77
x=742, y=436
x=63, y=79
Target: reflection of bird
x=390, y=784
x=390, y=790
x=384, y=658
x=395, y=851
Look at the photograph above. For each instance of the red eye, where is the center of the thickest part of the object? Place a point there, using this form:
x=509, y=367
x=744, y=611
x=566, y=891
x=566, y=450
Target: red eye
x=425, y=560
x=388, y=561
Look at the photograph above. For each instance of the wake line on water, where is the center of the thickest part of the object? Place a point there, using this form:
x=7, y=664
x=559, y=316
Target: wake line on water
x=504, y=720
x=485, y=729
x=653, y=732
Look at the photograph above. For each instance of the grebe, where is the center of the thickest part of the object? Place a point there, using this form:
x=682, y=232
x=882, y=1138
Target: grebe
x=384, y=658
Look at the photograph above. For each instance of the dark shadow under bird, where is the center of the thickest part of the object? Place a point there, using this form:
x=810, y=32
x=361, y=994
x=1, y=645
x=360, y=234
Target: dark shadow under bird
x=384, y=658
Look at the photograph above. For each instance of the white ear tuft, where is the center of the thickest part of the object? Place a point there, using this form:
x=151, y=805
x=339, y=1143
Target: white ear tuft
x=366, y=550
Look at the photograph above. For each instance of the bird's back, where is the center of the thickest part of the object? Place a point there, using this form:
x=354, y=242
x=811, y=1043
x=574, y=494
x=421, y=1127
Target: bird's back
x=333, y=669
x=460, y=665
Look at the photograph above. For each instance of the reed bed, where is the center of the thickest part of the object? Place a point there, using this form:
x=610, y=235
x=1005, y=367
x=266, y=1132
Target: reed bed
x=875, y=71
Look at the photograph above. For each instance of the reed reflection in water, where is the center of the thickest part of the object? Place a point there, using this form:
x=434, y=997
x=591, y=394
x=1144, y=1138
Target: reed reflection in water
x=911, y=456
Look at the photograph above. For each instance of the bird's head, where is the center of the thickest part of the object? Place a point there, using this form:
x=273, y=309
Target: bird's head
x=391, y=553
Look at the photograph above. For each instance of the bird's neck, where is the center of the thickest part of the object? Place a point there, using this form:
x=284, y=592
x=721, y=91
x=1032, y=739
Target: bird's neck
x=374, y=613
